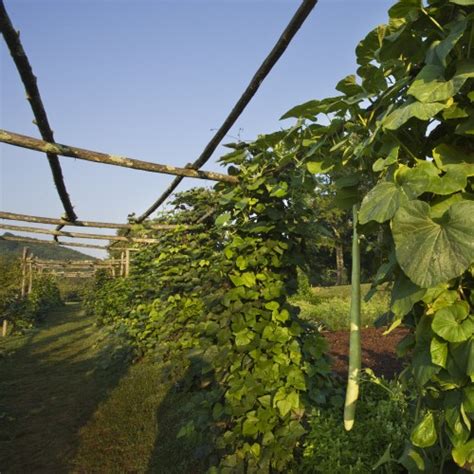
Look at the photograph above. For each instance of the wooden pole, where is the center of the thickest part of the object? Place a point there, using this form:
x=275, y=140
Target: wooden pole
x=127, y=262
x=31, y=143
x=79, y=235
x=15, y=238
x=262, y=72
x=122, y=263
x=12, y=39
x=99, y=225
x=30, y=277
x=4, y=328
x=23, y=271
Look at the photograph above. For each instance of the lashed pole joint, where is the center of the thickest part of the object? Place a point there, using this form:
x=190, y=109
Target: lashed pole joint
x=12, y=39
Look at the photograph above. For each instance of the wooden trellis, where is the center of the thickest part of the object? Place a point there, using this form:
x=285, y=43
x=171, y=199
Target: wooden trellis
x=52, y=149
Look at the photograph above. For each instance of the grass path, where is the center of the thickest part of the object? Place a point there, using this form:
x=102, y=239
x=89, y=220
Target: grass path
x=69, y=404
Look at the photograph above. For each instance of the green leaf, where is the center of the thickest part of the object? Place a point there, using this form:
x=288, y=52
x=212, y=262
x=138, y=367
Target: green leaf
x=391, y=158
x=223, y=219
x=453, y=157
x=430, y=252
x=404, y=295
x=463, y=2
x=452, y=323
x=439, y=352
x=244, y=337
x=412, y=109
x=412, y=460
x=370, y=44
x=317, y=167
x=349, y=86
x=439, y=50
x=381, y=203
x=464, y=454
x=424, y=434
x=430, y=86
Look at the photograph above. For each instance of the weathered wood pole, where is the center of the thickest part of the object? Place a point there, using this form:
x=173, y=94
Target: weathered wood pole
x=30, y=276
x=127, y=262
x=4, y=328
x=24, y=256
x=122, y=263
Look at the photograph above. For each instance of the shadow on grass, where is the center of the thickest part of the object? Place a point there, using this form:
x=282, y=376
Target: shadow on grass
x=49, y=388
x=187, y=404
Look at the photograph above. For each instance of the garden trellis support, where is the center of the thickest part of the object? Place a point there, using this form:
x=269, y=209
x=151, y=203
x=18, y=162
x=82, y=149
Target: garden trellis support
x=78, y=235
x=12, y=39
x=280, y=47
x=53, y=149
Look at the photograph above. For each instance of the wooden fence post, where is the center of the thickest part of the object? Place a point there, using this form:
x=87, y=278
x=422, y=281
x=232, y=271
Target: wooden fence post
x=4, y=328
x=127, y=262
x=30, y=276
x=23, y=271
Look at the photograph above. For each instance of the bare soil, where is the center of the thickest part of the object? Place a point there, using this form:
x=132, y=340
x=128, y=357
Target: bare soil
x=378, y=351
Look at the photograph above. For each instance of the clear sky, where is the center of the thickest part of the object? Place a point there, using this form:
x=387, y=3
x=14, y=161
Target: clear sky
x=152, y=80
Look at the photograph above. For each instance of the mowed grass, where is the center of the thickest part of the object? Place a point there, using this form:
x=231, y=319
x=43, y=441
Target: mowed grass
x=70, y=402
x=329, y=307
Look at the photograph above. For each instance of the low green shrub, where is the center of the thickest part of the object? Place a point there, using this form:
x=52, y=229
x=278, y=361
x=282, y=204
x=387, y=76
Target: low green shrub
x=383, y=421
x=332, y=312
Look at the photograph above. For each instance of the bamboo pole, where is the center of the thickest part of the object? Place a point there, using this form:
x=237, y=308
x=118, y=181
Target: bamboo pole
x=262, y=72
x=31, y=143
x=100, y=225
x=80, y=235
x=12, y=39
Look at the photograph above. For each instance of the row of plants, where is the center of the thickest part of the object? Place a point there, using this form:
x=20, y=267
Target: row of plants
x=396, y=144
x=25, y=312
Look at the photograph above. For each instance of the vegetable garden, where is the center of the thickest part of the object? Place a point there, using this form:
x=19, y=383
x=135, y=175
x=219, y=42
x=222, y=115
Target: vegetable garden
x=210, y=298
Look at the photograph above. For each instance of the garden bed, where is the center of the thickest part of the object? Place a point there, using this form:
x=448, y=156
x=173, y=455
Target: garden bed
x=378, y=351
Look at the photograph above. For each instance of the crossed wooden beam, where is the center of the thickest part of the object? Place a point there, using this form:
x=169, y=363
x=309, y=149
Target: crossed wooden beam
x=52, y=149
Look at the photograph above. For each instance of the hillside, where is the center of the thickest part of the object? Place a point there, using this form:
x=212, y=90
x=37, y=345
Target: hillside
x=9, y=248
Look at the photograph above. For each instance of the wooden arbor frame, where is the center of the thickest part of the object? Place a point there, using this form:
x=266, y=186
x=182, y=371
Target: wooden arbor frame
x=52, y=149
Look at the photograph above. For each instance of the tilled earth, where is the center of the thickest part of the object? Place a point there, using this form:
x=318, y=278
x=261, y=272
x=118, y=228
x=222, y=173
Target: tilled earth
x=378, y=351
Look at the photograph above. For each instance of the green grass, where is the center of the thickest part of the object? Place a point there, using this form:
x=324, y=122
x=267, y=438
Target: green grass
x=69, y=402
x=330, y=306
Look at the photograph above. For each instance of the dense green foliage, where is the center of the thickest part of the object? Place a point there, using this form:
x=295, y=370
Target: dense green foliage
x=23, y=313
x=215, y=300
x=384, y=418
x=406, y=127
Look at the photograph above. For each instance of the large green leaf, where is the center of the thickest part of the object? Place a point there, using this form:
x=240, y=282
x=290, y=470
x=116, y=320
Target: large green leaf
x=424, y=434
x=404, y=295
x=430, y=85
x=425, y=178
x=412, y=109
x=439, y=50
x=432, y=252
x=453, y=323
x=453, y=157
x=381, y=203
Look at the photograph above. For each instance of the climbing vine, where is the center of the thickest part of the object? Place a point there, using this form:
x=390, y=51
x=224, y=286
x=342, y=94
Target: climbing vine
x=404, y=126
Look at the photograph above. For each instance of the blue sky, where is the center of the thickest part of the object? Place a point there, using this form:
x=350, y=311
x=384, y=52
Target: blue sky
x=152, y=80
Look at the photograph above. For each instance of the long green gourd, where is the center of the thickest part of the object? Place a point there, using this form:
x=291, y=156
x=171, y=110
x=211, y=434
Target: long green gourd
x=352, y=392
